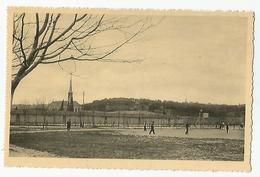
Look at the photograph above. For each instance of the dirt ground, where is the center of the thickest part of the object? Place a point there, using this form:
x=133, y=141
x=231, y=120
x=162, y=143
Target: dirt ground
x=168, y=132
x=167, y=143
x=193, y=133
x=16, y=151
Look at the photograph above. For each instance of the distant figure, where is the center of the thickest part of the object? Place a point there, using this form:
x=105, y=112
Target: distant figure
x=144, y=126
x=45, y=124
x=152, y=128
x=81, y=124
x=223, y=125
x=227, y=128
x=186, y=129
x=68, y=125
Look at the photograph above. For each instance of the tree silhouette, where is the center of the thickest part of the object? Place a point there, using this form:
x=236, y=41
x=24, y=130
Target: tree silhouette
x=53, y=38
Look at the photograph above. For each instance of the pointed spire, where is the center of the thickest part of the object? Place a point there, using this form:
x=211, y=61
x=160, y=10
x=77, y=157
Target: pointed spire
x=70, y=89
x=83, y=97
x=70, y=106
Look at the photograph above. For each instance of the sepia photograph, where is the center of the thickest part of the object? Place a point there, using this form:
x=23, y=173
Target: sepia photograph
x=129, y=88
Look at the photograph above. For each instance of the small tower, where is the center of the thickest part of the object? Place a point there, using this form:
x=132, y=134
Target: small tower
x=62, y=106
x=70, y=106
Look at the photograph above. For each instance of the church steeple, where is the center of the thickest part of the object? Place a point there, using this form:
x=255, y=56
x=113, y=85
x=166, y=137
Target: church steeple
x=70, y=89
x=70, y=106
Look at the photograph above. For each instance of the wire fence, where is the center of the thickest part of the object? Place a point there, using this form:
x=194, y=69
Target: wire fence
x=119, y=119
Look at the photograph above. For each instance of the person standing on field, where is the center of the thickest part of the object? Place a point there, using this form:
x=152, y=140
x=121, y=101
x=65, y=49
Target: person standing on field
x=152, y=128
x=68, y=125
x=145, y=126
x=227, y=128
x=186, y=129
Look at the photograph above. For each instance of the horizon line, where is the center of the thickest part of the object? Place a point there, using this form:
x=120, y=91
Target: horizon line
x=162, y=100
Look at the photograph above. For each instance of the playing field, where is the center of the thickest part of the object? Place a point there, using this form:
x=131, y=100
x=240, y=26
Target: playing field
x=199, y=144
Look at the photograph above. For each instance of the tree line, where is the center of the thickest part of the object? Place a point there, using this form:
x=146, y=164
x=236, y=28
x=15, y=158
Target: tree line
x=166, y=107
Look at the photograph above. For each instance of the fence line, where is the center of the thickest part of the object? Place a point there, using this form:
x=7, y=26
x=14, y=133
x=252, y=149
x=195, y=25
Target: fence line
x=112, y=119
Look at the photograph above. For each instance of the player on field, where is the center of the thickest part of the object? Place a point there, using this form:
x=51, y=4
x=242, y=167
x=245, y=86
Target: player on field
x=152, y=128
x=68, y=125
x=227, y=128
x=186, y=129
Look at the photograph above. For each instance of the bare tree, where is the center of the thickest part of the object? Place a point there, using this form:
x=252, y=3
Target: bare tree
x=53, y=38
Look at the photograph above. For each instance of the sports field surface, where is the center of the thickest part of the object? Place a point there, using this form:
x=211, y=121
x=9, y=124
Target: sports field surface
x=167, y=143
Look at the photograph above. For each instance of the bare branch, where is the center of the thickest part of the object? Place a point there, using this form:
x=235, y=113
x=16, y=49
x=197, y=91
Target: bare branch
x=21, y=39
x=79, y=58
x=44, y=39
x=44, y=24
x=63, y=48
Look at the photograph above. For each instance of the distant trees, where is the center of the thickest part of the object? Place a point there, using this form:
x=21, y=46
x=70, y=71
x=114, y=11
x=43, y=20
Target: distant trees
x=52, y=38
x=177, y=108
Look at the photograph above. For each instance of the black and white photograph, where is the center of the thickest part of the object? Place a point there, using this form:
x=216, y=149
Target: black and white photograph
x=96, y=84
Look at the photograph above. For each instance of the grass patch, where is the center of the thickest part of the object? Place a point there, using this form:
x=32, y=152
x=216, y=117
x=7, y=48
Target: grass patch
x=111, y=144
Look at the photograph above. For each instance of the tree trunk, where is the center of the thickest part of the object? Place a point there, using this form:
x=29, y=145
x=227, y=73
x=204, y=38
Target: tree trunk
x=14, y=84
x=12, y=95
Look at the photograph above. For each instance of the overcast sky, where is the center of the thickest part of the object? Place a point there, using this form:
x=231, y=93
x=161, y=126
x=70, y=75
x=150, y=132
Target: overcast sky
x=197, y=58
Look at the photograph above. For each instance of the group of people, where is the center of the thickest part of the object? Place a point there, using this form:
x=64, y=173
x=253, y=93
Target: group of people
x=220, y=127
x=186, y=128
x=223, y=125
x=151, y=127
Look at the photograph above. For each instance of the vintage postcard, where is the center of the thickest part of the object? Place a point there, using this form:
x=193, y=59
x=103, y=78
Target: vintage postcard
x=132, y=89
